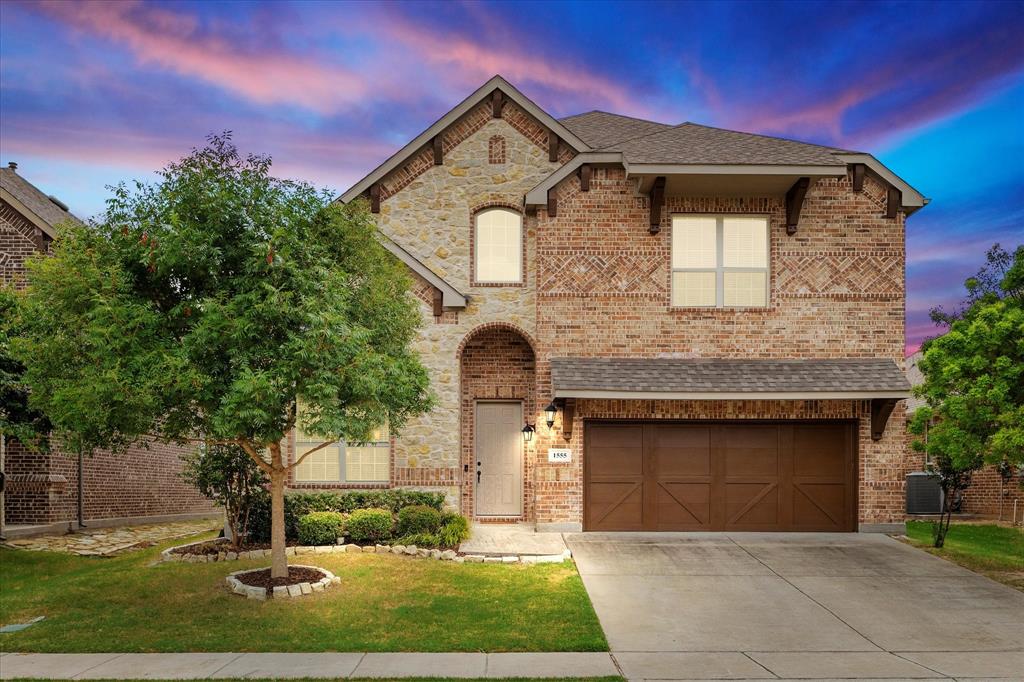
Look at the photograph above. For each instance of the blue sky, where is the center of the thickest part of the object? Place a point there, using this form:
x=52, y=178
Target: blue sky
x=92, y=93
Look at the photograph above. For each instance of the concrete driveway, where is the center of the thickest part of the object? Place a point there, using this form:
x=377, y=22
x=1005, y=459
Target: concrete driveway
x=796, y=606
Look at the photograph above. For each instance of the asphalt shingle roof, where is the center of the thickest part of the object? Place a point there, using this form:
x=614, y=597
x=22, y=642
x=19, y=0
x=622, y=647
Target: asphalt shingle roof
x=672, y=375
x=691, y=143
x=600, y=129
x=642, y=141
x=33, y=198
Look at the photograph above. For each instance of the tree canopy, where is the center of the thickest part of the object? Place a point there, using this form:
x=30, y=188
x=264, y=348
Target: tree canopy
x=974, y=373
x=211, y=305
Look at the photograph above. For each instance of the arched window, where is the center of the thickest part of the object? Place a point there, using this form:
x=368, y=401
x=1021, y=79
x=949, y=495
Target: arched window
x=498, y=242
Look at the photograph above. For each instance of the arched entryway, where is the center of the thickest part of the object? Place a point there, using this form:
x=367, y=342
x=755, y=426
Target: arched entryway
x=497, y=367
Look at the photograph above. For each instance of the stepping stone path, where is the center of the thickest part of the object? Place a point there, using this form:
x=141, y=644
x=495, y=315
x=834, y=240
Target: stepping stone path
x=110, y=541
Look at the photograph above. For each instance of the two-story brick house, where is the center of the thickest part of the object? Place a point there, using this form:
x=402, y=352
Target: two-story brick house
x=717, y=317
x=57, y=490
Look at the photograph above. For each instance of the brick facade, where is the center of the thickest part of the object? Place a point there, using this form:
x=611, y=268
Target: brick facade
x=43, y=488
x=597, y=283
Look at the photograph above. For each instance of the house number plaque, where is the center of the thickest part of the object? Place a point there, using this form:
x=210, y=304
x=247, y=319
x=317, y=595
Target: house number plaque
x=559, y=455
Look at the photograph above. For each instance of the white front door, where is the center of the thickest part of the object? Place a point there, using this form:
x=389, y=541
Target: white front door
x=499, y=458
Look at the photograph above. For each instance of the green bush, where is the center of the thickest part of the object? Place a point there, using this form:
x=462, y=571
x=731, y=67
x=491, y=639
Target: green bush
x=370, y=525
x=418, y=518
x=453, y=531
x=297, y=505
x=320, y=528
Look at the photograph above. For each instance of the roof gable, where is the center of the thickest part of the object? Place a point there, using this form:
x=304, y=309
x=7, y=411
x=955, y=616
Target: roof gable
x=424, y=138
x=31, y=202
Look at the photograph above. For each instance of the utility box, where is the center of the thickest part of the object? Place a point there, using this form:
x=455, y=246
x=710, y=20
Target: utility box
x=924, y=494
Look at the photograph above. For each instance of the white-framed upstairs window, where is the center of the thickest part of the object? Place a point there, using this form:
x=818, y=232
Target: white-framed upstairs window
x=719, y=261
x=342, y=462
x=498, y=246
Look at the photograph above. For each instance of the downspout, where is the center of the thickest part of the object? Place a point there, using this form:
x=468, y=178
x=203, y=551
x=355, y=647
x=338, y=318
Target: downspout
x=3, y=482
x=81, y=487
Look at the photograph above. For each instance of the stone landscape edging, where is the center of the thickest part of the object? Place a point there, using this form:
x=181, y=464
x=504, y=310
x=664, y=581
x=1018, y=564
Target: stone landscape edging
x=402, y=550
x=281, y=591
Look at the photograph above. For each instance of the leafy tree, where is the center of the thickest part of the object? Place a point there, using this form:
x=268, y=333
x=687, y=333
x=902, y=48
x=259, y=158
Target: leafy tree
x=17, y=418
x=208, y=306
x=231, y=478
x=974, y=384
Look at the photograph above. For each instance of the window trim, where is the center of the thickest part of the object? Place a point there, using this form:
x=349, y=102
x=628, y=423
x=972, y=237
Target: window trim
x=720, y=269
x=475, y=234
x=342, y=462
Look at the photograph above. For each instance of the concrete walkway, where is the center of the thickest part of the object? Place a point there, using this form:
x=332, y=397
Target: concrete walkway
x=796, y=606
x=314, y=665
x=495, y=539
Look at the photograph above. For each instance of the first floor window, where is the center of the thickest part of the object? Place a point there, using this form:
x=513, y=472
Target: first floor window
x=720, y=261
x=342, y=462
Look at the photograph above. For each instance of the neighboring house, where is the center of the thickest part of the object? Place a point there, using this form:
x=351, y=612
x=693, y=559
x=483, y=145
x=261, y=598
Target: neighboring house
x=717, y=316
x=987, y=495
x=55, y=489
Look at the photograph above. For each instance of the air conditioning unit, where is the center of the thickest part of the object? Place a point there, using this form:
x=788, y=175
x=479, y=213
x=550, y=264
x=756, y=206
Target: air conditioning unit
x=924, y=494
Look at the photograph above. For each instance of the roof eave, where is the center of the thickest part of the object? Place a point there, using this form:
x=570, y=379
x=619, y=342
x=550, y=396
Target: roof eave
x=912, y=199
x=29, y=214
x=495, y=83
x=619, y=394
x=450, y=296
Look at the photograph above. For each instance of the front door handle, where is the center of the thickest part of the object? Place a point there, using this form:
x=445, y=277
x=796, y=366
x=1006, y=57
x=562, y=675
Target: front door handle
x=477, y=475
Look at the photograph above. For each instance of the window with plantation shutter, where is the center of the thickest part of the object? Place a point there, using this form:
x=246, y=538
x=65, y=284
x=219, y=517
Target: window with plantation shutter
x=719, y=261
x=344, y=462
x=498, y=246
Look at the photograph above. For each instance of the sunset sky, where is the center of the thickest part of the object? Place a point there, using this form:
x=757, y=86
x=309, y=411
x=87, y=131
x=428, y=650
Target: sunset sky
x=92, y=93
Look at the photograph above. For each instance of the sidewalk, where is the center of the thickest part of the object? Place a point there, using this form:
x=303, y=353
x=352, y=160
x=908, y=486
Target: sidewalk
x=196, y=666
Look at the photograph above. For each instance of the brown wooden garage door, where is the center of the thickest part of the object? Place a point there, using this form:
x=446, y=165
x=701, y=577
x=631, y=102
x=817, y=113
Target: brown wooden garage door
x=720, y=476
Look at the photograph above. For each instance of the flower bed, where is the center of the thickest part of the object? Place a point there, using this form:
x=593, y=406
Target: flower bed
x=256, y=583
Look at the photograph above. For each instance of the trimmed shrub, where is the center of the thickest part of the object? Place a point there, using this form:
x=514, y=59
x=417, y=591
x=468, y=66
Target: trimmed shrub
x=370, y=525
x=418, y=518
x=297, y=505
x=320, y=528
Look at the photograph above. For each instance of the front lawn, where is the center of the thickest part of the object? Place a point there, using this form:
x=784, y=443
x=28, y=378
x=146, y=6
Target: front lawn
x=995, y=551
x=384, y=603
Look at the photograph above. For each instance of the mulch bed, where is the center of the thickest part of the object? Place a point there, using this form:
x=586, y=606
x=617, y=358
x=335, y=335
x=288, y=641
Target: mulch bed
x=296, y=575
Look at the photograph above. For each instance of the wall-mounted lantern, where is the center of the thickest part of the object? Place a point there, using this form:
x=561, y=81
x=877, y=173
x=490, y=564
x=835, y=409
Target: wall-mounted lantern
x=528, y=432
x=549, y=413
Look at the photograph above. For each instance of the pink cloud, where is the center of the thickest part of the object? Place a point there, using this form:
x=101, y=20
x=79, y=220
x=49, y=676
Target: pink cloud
x=176, y=42
x=464, y=64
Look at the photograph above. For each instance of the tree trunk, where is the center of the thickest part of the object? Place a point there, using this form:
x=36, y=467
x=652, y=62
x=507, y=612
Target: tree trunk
x=278, y=560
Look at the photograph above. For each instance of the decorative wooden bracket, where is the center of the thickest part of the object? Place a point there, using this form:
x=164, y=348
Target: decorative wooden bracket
x=795, y=203
x=585, y=177
x=893, y=201
x=497, y=103
x=552, y=203
x=568, y=406
x=657, y=202
x=438, y=143
x=858, y=177
x=438, y=302
x=552, y=146
x=374, y=198
x=881, y=408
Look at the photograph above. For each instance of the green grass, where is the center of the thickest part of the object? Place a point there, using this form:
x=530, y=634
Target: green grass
x=996, y=551
x=384, y=603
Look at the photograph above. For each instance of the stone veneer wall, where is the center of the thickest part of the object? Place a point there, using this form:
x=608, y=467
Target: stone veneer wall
x=429, y=210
